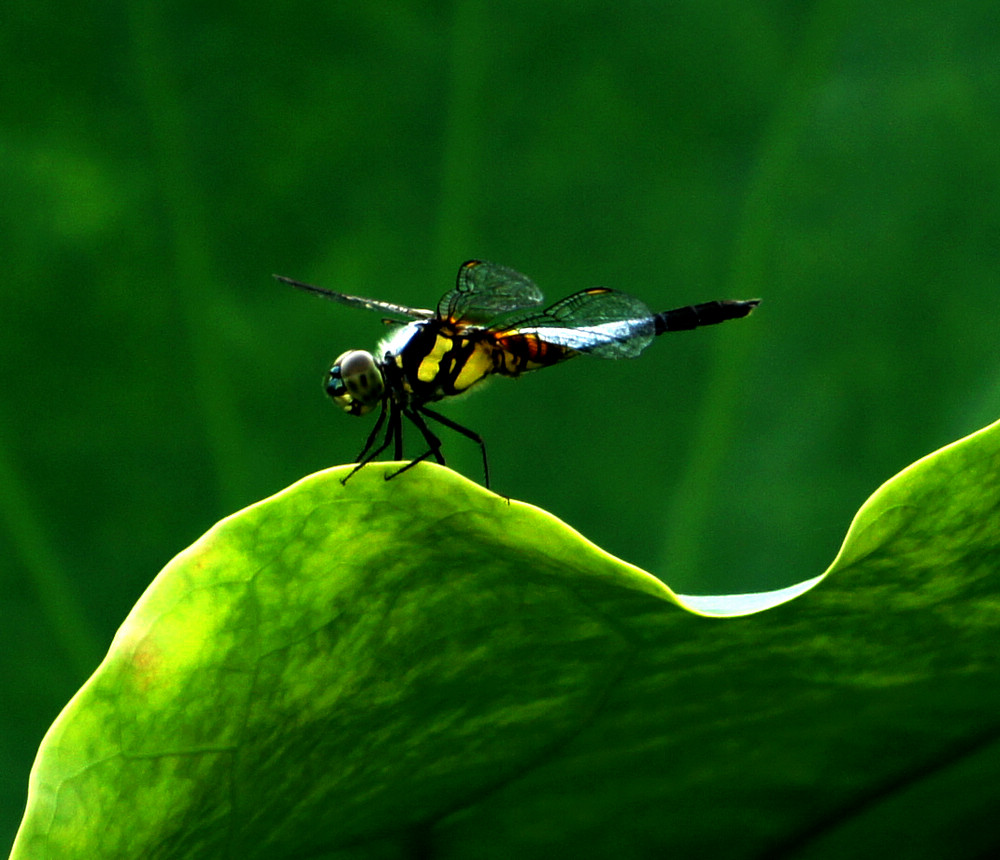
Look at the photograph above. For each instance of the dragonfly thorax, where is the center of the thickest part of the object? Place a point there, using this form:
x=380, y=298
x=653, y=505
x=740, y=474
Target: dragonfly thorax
x=355, y=382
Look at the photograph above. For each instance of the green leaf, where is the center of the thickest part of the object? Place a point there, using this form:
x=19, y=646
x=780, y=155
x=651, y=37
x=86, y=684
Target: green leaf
x=418, y=667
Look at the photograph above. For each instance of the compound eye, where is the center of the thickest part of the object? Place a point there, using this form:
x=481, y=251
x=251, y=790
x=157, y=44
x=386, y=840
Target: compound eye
x=355, y=383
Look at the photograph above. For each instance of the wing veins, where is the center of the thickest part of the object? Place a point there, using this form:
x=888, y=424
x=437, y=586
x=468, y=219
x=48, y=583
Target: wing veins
x=359, y=301
x=598, y=321
x=484, y=291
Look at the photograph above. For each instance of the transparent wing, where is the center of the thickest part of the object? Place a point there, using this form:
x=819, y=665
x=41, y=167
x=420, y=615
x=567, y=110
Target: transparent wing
x=598, y=321
x=359, y=302
x=484, y=290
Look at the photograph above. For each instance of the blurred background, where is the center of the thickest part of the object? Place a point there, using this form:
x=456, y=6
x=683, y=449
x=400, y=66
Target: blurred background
x=160, y=160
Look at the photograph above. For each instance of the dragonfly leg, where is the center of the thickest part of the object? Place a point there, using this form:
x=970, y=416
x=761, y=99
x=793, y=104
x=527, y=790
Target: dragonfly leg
x=434, y=444
x=466, y=432
x=393, y=431
x=361, y=458
x=397, y=428
x=429, y=437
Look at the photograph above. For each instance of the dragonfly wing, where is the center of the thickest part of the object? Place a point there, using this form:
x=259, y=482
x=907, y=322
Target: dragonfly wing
x=598, y=321
x=359, y=302
x=484, y=291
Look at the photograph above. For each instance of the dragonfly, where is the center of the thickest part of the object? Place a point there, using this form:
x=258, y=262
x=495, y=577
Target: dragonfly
x=493, y=322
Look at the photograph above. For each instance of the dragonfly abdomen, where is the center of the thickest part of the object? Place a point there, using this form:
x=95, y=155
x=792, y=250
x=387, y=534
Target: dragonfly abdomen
x=514, y=354
x=707, y=313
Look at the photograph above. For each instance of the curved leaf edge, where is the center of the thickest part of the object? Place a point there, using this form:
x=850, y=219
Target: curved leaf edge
x=901, y=492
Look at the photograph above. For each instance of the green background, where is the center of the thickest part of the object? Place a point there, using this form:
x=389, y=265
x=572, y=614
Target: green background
x=160, y=161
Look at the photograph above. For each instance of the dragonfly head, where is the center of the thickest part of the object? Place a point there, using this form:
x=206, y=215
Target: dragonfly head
x=355, y=382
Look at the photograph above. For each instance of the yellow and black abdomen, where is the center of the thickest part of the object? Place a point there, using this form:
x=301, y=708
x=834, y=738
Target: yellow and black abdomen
x=517, y=353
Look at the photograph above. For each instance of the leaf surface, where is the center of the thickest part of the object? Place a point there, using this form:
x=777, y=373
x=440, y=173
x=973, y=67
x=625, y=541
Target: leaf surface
x=418, y=667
